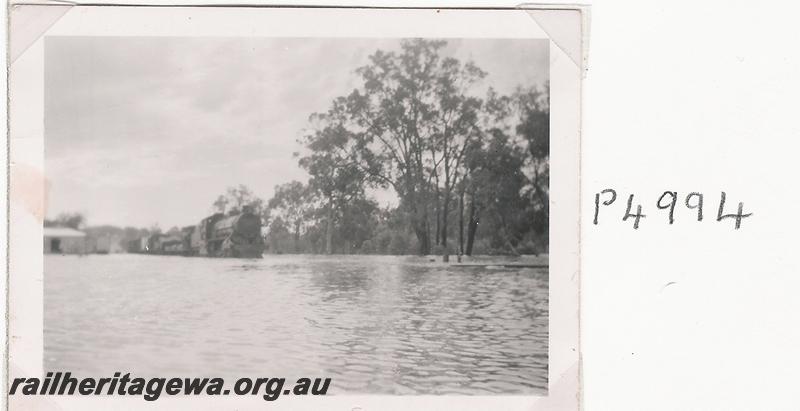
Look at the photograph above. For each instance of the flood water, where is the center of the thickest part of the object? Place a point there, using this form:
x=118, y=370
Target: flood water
x=374, y=324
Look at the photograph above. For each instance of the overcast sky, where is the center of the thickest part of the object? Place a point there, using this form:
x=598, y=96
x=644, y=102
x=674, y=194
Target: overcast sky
x=148, y=130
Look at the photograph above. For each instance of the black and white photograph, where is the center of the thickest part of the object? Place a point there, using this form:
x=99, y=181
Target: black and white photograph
x=400, y=205
x=374, y=210
x=245, y=205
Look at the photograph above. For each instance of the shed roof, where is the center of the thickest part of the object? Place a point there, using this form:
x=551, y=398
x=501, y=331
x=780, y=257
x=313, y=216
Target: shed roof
x=62, y=232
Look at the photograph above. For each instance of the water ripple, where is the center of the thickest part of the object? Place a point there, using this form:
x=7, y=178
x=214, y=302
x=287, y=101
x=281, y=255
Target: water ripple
x=389, y=325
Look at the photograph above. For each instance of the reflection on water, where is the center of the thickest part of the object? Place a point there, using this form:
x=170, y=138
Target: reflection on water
x=393, y=325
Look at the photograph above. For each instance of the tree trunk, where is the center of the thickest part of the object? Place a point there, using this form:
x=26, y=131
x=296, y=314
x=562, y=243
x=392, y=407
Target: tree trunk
x=329, y=228
x=445, y=211
x=509, y=244
x=461, y=223
x=297, y=237
x=471, y=229
x=438, y=212
x=419, y=216
x=423, y=238
x=422, y=228
x=472, y=226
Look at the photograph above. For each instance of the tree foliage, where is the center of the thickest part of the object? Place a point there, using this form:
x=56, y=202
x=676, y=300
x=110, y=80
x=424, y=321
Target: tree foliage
x=417, y=124
x=465, y=163
x=71, y=220
x=235, y=199
x=289, y=207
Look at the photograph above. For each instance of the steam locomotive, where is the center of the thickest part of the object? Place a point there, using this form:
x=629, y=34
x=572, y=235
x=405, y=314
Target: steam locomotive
x=218, y=235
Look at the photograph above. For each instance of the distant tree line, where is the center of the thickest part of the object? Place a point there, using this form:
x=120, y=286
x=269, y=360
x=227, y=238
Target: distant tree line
x=71, y=220
x=471, y=172
x=78, y=221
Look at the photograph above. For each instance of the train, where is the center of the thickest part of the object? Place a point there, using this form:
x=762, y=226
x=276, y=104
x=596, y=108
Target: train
x=218, y=235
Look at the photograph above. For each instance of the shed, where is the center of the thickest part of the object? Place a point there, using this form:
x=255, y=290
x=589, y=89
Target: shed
x=64, y=240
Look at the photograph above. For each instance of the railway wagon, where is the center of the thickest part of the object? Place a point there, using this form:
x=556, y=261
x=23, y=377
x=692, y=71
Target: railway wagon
x=203, y=231
x=171, y=245
x=186, y=239
x=153, y=244
x=135, y=245
x=217, y=235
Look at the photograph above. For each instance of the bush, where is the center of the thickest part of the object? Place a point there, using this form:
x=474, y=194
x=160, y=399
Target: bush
x=398, y=244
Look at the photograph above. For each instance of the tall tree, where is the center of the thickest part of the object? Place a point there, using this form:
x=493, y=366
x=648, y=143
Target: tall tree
x=333, y=163
x=412, y=117
x=241, y=196
x=533, y=109
x=236, y=198
x=456, y=130
x=291, y=205
x=221, y=204
x=495, y=185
